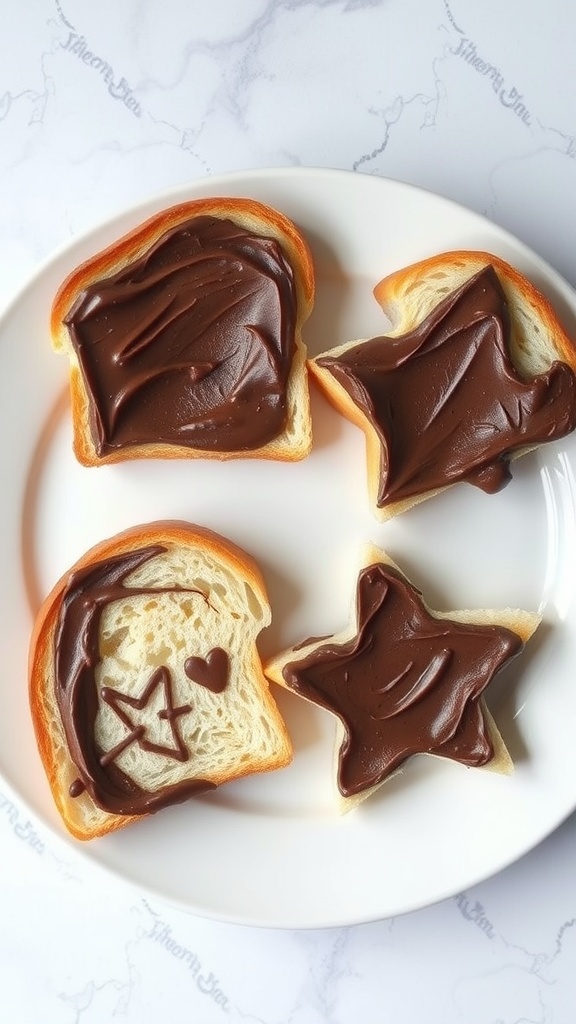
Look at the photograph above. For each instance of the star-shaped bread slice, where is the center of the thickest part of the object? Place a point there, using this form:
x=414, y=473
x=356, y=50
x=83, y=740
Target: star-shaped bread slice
x=475, y=373
x=405, y=680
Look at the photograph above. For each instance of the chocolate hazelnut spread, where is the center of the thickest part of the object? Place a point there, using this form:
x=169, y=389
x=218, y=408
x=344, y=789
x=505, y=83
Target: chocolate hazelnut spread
x=446, y=401
x=406, y=683
x=191, y=344
x=77, y=653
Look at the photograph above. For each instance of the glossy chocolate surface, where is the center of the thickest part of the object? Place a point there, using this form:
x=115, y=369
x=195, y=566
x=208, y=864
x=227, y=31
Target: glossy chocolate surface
x=406, y=683
x=191, y=344
x=445, y=400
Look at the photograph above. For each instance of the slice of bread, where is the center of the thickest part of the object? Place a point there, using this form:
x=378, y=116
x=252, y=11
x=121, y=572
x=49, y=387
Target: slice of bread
x=184, y=337
x=402, y=679
x=536, y=362
x=146, y=684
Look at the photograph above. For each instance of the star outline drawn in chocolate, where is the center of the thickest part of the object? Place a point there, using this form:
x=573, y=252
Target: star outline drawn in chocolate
x=468, y=408
x=76, y=656
x=119, y=703
x=400, y=685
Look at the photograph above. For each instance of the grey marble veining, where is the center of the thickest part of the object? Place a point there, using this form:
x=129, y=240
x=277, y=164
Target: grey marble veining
x=102, y=105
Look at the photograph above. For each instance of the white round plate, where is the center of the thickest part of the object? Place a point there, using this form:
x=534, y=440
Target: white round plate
x=272, y=850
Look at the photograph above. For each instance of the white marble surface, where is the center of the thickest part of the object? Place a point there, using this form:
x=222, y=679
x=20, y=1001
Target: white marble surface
x=101, y=105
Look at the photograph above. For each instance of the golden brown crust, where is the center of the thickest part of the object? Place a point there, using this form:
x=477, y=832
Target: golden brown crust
x=136, y=242
x=407, y=296
x=47, y=723
x=248, y=213
x=463, y=263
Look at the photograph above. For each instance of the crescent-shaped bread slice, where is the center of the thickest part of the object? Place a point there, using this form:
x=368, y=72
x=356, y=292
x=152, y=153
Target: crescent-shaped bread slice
x=350, y=741
x=196, y=593
x=407, y=297
x=295, y=439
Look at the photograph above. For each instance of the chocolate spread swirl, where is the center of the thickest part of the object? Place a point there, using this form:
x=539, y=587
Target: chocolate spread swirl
x=406, y=683
x=191, y=344
x=445, y=399
x=77, y=653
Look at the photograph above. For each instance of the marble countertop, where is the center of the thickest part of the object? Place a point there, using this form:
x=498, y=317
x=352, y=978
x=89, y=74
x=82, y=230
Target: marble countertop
x=103, y=105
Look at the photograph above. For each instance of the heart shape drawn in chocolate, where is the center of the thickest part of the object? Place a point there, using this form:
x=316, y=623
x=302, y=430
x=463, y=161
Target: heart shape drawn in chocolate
x=211, y=671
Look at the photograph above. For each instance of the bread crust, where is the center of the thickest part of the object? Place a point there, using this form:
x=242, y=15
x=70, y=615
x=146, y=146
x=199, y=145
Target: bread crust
x=407, y=297
x=522, y=623
x=296, y=440
x=406, y=302
x=83, y=819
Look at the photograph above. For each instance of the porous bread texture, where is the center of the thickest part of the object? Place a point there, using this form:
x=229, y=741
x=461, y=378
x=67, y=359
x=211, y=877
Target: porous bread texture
x=295, y=442
x=230, y=734
x=537, y=336
x=407, y=297
x=519, y=621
